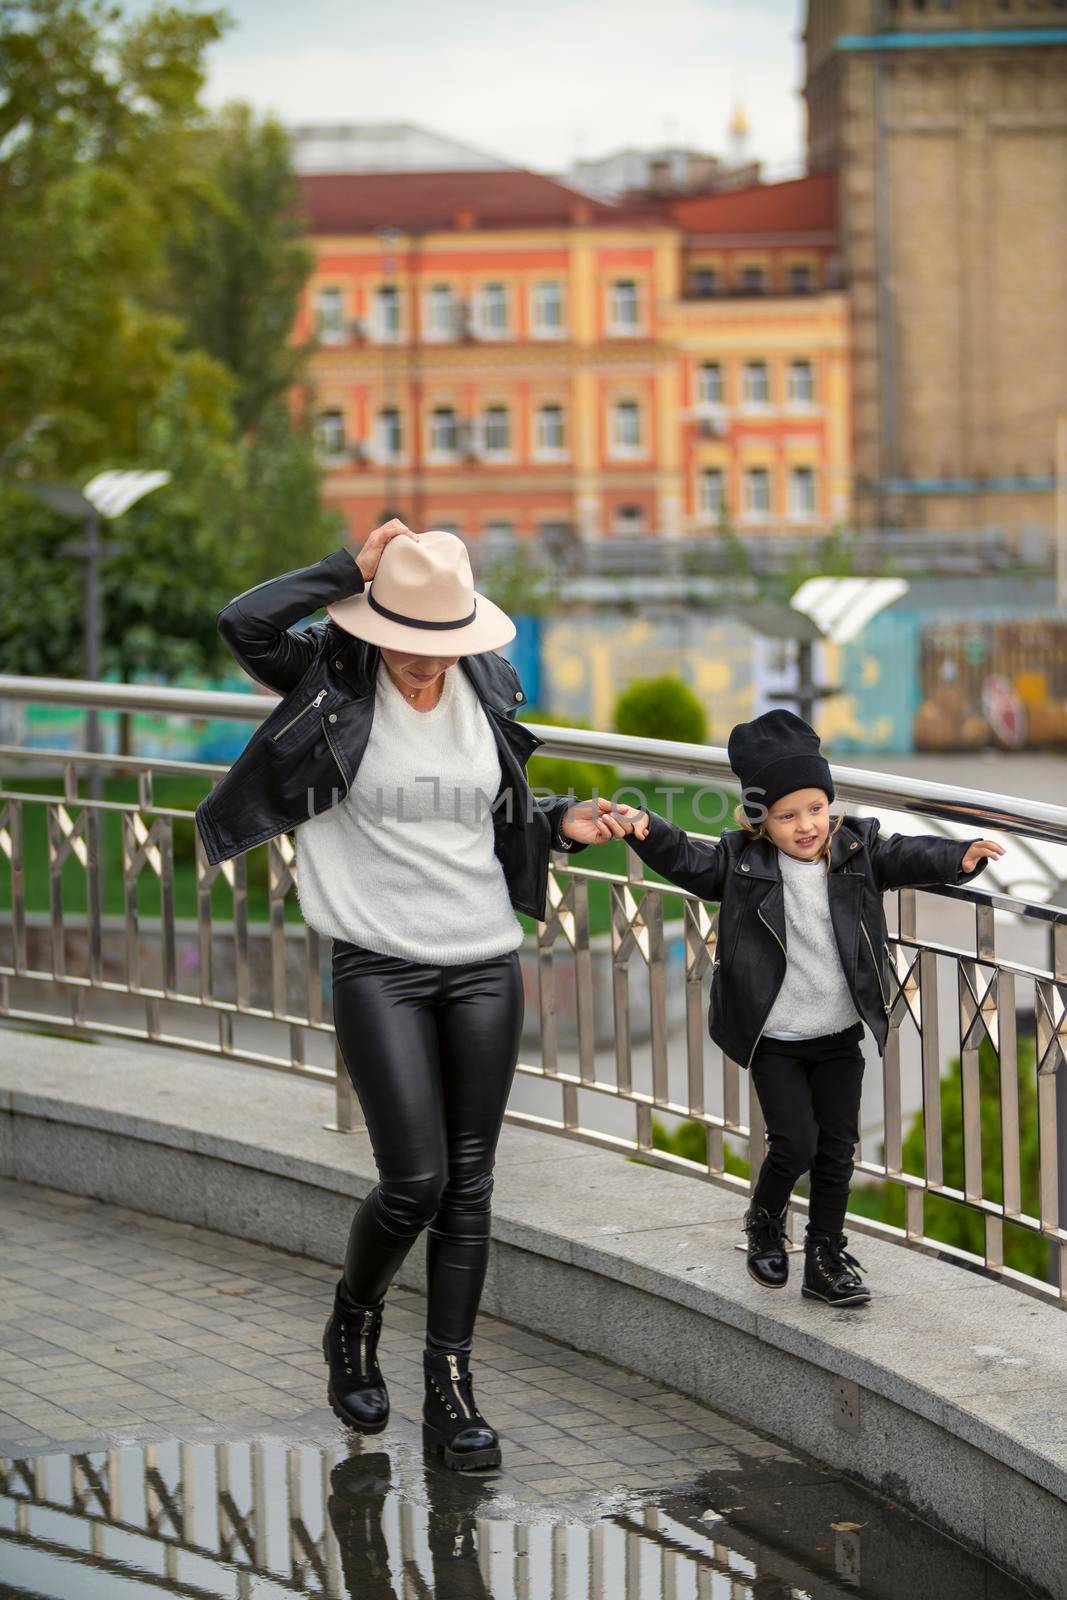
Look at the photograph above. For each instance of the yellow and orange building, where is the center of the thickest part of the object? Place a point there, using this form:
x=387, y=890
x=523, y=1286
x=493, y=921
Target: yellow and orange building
x=501, y=355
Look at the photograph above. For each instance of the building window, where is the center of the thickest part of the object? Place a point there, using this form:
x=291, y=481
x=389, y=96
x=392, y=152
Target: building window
x=624, y=309
x=330, y=433
x=801, y=383
x=711, y=494
x=387, y=313
x=704, y=283
x=753, y=280
x=498, y=537
x=802, y=492
x=444, y=431
x=493, y=311
x=709, y=384
x=547, y=306
x=801, y=279
x=330, y=315
x=389, y=435
x=629, y=520
x=626, y=428
x=496, y=431
x=757, y=492
x=549, y=438
x=757, y=388
x=442, y=314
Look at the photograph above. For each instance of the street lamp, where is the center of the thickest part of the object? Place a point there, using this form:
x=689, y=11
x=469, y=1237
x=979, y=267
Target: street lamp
x=109, y=495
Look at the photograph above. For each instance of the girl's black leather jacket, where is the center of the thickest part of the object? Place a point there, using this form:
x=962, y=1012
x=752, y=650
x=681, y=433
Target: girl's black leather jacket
x=742, y=873
x=302, y=758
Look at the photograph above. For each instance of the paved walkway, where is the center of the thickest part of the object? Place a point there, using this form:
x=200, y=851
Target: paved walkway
x=162, y=1428
x=121, y=1328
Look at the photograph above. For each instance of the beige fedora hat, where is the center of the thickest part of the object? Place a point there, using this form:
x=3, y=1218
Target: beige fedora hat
x=422, y=598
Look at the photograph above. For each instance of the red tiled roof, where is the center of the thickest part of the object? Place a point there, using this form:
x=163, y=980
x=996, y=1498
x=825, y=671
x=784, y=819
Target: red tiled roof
x=803, y=205
x=423, y=202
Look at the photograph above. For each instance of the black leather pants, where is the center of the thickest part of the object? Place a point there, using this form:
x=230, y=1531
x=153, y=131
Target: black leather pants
x=431, y=1052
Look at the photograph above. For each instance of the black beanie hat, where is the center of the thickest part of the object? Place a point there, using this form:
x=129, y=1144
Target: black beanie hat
x=774, y=755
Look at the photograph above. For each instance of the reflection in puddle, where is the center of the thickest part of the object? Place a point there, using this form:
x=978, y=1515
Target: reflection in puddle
x=269, y=1519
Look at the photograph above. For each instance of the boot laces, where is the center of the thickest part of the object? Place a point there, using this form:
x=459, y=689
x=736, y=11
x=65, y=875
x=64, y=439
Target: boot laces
x=766, y=1231
x=842, y=1266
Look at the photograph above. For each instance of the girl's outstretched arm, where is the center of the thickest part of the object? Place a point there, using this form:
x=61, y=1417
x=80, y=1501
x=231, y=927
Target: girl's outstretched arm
x=914, y=861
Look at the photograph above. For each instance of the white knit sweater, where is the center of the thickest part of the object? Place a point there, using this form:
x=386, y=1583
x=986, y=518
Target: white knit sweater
x=405, y=864
x=814, y=998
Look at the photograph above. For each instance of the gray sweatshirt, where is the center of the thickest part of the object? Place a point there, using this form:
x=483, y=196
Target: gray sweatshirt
x=814, y=998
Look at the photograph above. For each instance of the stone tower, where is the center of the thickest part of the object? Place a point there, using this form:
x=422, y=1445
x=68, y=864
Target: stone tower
x=946, y=122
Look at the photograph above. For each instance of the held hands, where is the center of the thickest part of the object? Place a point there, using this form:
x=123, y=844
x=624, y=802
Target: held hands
x=371, y=553
x=597, y=821
x=980, y=850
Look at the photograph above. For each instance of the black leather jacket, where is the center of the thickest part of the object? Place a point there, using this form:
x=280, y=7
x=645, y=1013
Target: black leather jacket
x=742, y=873
x=302, y=758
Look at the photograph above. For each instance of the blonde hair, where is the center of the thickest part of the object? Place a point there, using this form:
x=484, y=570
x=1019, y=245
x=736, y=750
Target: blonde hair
x=758, y=830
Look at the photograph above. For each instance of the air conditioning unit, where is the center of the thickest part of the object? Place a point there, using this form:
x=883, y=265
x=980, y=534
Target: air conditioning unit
x=357, y=328
x=469, y=441
x=710, y=427
x=359, y=453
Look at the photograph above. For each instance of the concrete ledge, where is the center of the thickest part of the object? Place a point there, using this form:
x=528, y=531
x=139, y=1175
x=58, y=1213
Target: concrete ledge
x=960, y=1401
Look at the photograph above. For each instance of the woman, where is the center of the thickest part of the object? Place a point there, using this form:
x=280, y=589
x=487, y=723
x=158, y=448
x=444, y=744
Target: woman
x=396, y=755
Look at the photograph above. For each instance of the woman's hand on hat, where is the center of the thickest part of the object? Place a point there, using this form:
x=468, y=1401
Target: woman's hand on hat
x=980, y=850
x=598, y=821
x=371, y=553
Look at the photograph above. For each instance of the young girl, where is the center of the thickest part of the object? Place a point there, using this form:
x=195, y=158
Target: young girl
x=800, y=967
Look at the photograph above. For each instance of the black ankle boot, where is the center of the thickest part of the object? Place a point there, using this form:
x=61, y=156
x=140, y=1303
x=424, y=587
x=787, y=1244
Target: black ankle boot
x=767, y=1260
x=451, y=1421
x=830, y=1273
x=356, y=1388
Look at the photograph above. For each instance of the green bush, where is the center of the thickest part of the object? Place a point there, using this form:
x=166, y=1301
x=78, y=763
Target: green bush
x=564, y=776
x=948, y=1220
x=661, y=708
x=690, y=1141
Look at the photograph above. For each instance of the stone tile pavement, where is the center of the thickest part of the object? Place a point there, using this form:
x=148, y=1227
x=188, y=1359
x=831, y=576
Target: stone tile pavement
x=162, y=1410
x=119, y=1328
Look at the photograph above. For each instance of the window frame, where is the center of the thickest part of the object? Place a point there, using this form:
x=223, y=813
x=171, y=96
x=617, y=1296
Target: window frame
x=807, y=472
x=615, y=327
x=620, y=450
x=338, y=333
x=328, y=452
x=540, y=329
x=434, y=298
x=753, y=513
x=435, y=452
x=748, y=403
x=707, y=512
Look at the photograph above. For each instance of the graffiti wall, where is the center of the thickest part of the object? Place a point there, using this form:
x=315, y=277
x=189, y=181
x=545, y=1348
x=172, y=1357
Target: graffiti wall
x=992, y=683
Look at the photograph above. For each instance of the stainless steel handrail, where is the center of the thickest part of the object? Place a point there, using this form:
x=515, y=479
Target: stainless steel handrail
x=162, y=984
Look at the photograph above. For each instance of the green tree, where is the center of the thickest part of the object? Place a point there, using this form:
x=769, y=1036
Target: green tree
x=148, y=281
x=239, y=264
x=948, y=1220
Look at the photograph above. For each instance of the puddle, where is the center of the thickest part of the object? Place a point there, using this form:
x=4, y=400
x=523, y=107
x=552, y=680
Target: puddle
x=270, y=1518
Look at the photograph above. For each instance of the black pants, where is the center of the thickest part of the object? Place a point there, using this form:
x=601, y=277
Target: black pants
x=809, y=1090
x=431, y=1052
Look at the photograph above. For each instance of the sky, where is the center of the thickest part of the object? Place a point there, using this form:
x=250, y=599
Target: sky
x=540, y=83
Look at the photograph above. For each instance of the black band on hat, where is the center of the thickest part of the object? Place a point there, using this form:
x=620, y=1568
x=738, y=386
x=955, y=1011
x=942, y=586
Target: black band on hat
x=417, y=622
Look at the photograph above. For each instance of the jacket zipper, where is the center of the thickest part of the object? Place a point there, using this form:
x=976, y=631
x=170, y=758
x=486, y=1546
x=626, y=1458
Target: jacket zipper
x=336, y=758
x=886, y=1007
x=453, y=1372
x=311, y=706
x=770, y=1008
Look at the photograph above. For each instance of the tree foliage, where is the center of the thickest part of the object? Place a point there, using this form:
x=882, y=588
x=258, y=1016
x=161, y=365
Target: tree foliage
x=149, y=278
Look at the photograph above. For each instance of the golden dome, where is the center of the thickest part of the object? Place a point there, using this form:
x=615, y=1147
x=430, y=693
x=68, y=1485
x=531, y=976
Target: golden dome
x=739, y=124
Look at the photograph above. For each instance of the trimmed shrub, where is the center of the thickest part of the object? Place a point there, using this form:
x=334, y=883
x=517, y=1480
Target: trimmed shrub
x=661, y=708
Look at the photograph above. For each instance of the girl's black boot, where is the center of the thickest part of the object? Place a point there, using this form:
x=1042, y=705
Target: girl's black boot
x=356, y=1388
x=767, y=1260
x=830, y=1273
x=451, y=1422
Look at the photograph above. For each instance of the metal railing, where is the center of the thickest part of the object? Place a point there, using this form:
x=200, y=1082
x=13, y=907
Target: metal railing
x=243, y=989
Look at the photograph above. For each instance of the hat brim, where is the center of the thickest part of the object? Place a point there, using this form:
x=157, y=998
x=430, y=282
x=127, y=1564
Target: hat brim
x=490, y=629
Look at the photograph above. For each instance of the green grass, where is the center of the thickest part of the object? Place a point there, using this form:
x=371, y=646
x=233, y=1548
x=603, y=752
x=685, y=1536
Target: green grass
x=183, y=794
